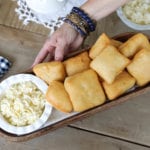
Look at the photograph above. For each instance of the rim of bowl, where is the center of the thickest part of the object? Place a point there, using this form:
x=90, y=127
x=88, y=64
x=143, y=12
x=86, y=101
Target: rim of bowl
x=129, y=23
x=21, y=130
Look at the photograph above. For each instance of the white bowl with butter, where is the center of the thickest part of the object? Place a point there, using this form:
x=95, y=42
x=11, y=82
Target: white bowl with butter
x=23, y=107
x=136, y=14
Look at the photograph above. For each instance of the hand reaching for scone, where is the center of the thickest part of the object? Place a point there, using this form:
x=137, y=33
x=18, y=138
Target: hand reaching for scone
x=105, y=72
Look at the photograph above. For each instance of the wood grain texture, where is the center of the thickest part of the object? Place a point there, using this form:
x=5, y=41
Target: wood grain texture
x=112, y=26
x=67, y=121
x=9, y=17
x=20, y=47
x=71, y=139
x=128, y=121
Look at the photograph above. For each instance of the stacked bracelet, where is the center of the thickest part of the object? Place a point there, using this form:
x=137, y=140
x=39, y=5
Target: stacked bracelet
x=80, y=21
x=76, y=27
x=91, y=23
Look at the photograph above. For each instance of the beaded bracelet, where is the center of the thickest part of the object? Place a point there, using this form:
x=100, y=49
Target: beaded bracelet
x=80, y=21
x=78, y=29
x=91, y=23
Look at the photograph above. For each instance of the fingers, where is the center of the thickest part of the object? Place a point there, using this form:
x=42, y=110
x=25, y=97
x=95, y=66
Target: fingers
x=50, y=57
x=44, y=52
x=76, y=44
x=60, y=51
x=40, y=57
x=59, y=44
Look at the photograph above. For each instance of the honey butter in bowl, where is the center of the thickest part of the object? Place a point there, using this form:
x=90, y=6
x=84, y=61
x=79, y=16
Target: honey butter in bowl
x=23, y=108
x=136, y=14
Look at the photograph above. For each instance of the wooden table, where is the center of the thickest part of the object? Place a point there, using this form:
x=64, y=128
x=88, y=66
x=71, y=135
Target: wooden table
x=125, y=126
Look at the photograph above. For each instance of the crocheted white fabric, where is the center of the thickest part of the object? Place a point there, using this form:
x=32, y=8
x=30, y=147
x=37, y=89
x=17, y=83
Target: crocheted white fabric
x=53, y=22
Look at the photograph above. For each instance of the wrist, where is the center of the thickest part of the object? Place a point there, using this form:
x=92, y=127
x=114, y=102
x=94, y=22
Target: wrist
x=102, y=8
x=69, y=27
x=80, y=21
x=89, y=10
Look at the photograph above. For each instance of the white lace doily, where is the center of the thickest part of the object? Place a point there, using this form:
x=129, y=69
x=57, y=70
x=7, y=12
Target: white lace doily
x=53, y=22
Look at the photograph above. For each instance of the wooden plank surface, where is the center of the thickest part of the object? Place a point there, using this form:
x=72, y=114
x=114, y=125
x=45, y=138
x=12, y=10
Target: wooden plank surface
x=71, y=139
x=9, y=17
x=129, y=121
x=20, y=47
x=112, y=26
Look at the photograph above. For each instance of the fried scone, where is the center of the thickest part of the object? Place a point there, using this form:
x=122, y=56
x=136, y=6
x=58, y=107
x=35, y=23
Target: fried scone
x=58, y=97
x=99, y=45
x=134, y=44
x=77, y=63
x=139, y=68
x=123, y=82
x=116, y=43
x=109, y=63
x=49, y=71
x=85, y=90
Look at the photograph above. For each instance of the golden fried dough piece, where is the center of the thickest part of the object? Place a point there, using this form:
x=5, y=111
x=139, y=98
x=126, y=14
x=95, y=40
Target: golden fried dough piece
x=99, y=45
x=116, y=43
x=58, y=97
x=109, y=63
x=134, y=44
x=123, y=82
x=85, y=90
x=49, y=71
x=139, y=68
x=77, y=63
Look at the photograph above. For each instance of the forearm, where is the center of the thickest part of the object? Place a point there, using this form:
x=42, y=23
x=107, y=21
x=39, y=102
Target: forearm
x=98, y=9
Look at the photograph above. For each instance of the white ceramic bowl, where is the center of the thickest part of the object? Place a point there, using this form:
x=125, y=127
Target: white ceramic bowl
x=129, y=23
x=46, y=6
x=4, y=85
